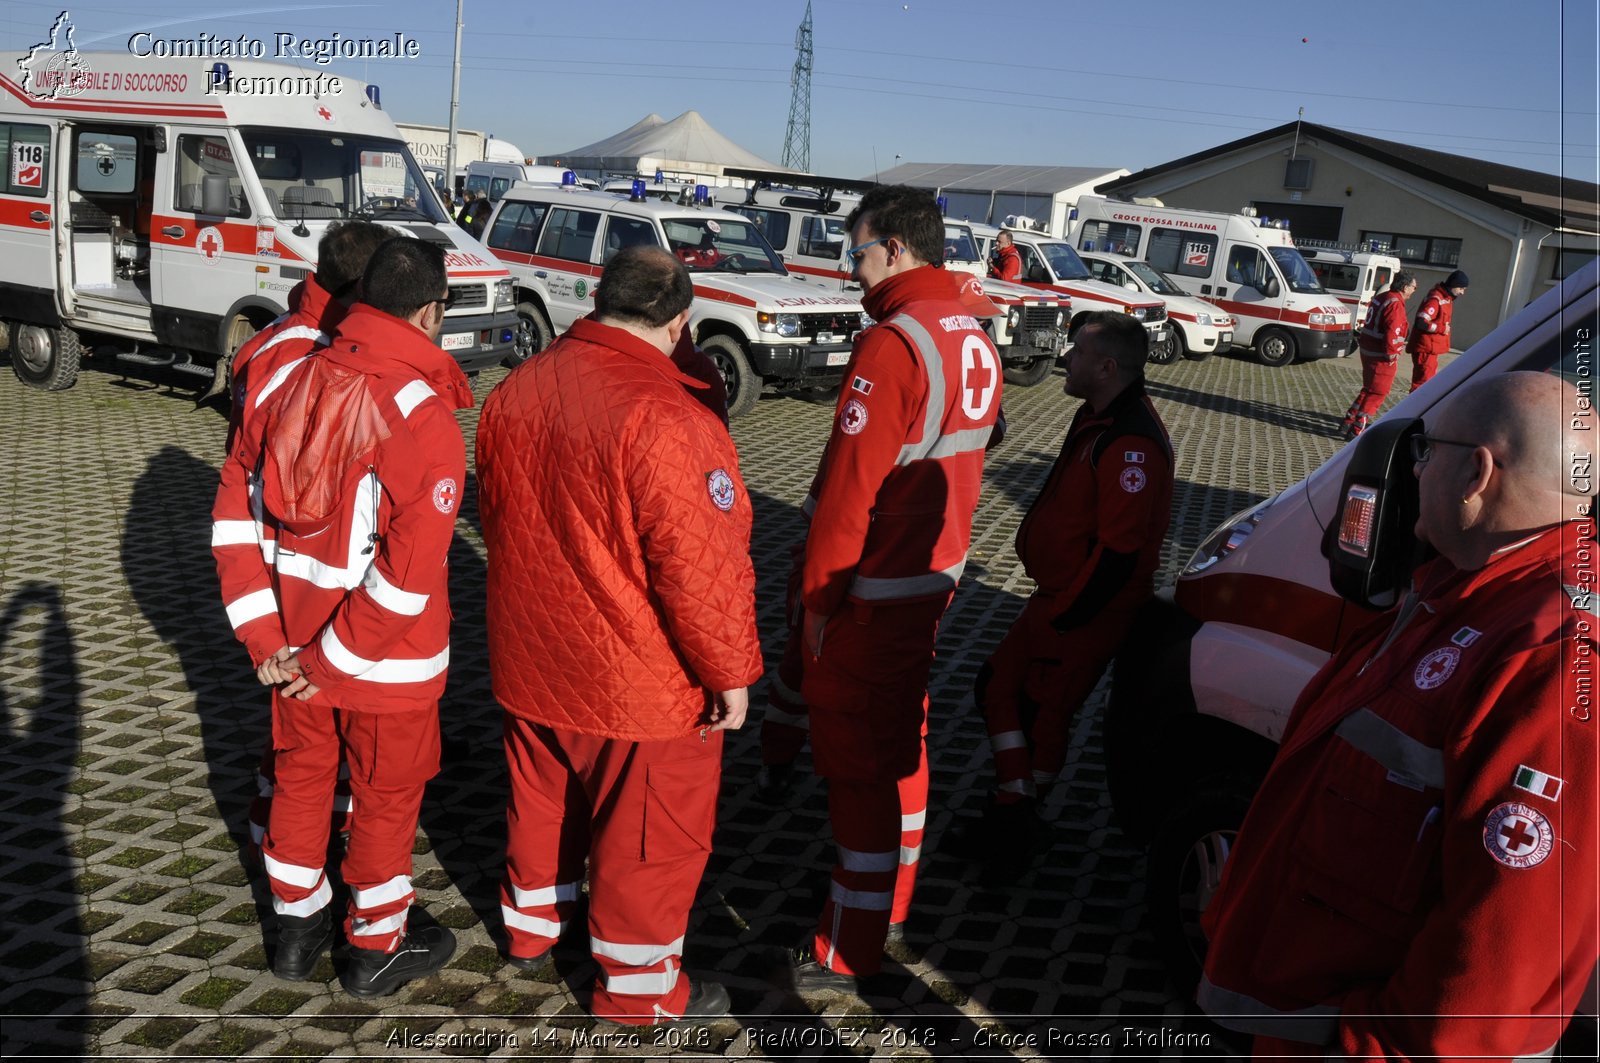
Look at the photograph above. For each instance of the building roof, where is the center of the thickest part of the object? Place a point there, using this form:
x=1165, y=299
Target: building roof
x=688, y=138
x=1556, y=201
x=969, y=177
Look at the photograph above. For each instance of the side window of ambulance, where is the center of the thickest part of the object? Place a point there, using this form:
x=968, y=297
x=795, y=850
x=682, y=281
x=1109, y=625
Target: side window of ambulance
x=516, y=227
x=1245, y=266
x=1381, y=276
x=1117, y=237
x=26, y=171
x=570, y=234
x=1032, y=268
x=774, y=224
x=201, y=157
x=628, y=232
x=497, y=188
x=815, y=240
x=1182, y=253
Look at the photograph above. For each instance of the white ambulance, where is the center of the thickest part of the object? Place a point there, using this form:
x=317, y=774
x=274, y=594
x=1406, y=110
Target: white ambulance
x=760, y=323
x=1199, y=328
x=1247, y=265
x=807, y=227
x=1053, y=266
x=1203, y=685
x=174, y=203
x=1352, y=272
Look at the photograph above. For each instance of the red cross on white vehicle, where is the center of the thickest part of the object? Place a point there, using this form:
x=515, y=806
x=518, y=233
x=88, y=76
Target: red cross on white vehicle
x=209, y=243
x=324, y=114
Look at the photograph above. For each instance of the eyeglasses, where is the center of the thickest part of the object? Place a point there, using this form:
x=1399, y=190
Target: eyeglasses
x=1422, y=447
x=857, y=253
x=447, y=301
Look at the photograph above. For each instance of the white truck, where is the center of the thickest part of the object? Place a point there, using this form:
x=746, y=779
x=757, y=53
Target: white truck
x=159, y=203
x=1245, y=264
x=1354, y=273
x=806, y=226
x=761, y=324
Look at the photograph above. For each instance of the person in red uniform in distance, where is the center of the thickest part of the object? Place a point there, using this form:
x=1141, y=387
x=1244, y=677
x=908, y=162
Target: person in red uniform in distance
x=1382, y=341
x=891, y=517
x=316, y=306
x=1417, y=876
x=1430, y=333
x=332, y=525
x=622, y=636
x=1006, y=262
x=1091, y=542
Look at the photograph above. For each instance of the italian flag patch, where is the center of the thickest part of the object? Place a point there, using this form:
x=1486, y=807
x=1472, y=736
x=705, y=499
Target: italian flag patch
x=1537, y=783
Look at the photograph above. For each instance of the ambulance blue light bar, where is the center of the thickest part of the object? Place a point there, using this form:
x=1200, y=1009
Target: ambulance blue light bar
x=637, y=189
x=661, y=178
x=372, y=94
x=944, y=205
x=702, y=195
x=568, y=178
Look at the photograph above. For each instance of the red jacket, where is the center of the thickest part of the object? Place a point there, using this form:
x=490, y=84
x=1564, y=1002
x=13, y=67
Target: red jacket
x=891, y=507
x=1430, y=333
x=1383, y=333
x=621, y=589
x=335, y=513
x=1110, y=489
x=1006, y=264
x=313, y=315
x=1417, y=875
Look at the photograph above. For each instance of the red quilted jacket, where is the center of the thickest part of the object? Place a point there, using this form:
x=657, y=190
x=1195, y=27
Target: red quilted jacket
x=620, y=584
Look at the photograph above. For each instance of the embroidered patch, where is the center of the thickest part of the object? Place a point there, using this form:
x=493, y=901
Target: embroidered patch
x=720, y=486
x=1518, y=836
x=861, y=384
x=1135, y=456
x=444, y=495
x=1133, y=480
x=853, y=418
x=1466, y=636
x=1537, y=783
x=1436, y=667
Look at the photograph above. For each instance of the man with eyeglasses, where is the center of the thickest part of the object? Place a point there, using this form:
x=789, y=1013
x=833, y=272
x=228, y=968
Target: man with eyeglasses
x=1416, y=877
x=331, y=529
x=891, y=516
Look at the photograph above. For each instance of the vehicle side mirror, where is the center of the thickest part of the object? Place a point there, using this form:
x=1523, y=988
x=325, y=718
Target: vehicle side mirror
x=1131, y=286
x=1269, y=287
x=1039, y=275
x=1370, y=544
x=214, y=199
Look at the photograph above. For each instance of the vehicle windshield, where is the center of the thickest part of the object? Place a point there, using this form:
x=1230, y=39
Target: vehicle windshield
x=323, y=175
x=720, y=245
x=1296, y=271
x=1159, y=282
x=1064, y=262
x=959, y=246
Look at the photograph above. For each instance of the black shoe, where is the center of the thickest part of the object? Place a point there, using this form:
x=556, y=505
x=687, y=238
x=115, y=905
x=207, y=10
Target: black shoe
x=371, y=973
x=896, y=934
x=526, y=963
x=707, y=1000
x=773, y=783
x=301, y=942
x=808, y=975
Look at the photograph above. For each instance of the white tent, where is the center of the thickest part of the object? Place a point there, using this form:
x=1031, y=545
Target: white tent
x=685, y=148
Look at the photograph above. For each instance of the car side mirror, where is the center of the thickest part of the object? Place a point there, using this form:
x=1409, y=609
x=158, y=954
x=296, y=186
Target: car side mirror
x=214, y=198
x=1039, y=275
x=1370, y=544
x=1269, y=287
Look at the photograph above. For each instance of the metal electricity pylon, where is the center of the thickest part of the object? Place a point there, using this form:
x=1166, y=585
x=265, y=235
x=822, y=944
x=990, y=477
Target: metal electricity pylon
x=797, y=137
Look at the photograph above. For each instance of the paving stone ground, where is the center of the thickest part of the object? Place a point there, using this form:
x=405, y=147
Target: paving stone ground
x=132, y=723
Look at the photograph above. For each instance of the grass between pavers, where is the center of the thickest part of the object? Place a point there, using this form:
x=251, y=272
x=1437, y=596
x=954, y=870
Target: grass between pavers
x=214, y=992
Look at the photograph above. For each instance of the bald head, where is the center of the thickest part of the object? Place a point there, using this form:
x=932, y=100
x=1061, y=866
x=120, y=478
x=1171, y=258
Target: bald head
x=1509, y=464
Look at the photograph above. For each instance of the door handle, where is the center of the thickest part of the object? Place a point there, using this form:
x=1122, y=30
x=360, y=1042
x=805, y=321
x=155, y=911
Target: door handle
x=174, y=231
x=39, y=216
x=541, y=274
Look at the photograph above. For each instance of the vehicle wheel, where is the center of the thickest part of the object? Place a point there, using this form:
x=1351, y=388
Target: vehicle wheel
x=744, y=387
x=1187, y=351
x=1165, y=352
x=1028, y=374
x=1274, y=347
x=1185, y=866
x=45, y=358
x=240, y=332
x=533, y=334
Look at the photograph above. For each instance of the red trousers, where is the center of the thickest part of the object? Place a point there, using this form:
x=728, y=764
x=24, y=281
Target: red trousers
x=868, y=699
x=642, y=814
x=391, y=757
x=1423, y=367
x=266, y=783
x=1038, y=669
x=1377, y=377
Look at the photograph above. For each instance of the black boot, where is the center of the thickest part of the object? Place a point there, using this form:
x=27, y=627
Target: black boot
x=773, y=783
x=424, y=949
x=301, y=942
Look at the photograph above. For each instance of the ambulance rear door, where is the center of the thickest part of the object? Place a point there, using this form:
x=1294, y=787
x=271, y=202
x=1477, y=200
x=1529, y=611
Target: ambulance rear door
x=30, y=187
x=203, y=239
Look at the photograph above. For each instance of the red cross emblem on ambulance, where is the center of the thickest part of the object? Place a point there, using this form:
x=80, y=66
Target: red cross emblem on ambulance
x=209, y=243
x=324, y=114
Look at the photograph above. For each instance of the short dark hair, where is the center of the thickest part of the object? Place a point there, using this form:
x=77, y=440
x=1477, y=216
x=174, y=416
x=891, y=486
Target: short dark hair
x=910, y=215
x=404, y=275
x=1402, y=281
x=643, y=285
x=344, y=251
x=1124, y=337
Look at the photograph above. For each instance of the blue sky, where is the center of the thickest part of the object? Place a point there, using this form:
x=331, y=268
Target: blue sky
x=1047, y=83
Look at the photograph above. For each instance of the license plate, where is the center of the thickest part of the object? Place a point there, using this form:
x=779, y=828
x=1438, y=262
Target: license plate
x=826, y=337
x=1226, y=337
x=838, y=358
x=459, y=341
x=1160, y=337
